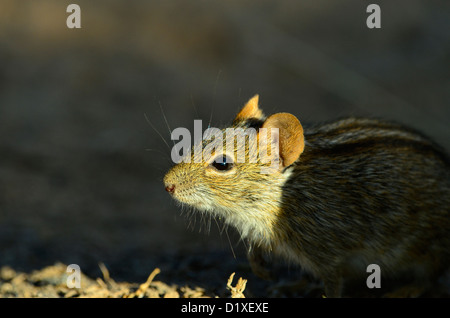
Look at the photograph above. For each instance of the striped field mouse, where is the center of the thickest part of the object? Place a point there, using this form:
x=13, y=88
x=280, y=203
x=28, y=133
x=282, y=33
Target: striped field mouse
x=343, y=195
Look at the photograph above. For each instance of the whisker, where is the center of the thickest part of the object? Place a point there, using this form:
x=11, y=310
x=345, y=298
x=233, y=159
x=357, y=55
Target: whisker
x=202, y=222
x=154, y=128
x=193, y=105
x=165, y=120
x=221, y=230
x=158, y=151
x=229, y=241
x=214, y=97
x=208, y=224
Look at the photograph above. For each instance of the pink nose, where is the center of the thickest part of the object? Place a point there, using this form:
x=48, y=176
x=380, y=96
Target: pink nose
x=170, y=188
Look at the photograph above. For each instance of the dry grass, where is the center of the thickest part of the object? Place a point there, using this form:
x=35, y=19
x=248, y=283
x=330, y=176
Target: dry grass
x=51, y=282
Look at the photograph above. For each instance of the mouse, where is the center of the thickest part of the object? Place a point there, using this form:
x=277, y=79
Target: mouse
x=333, y=197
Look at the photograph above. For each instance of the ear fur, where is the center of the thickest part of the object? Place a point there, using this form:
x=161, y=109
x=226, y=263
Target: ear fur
x=291, y=139
x=250, y=110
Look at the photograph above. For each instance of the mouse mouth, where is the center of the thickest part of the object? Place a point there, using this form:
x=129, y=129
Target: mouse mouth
x=191, y=198
x=186, y=193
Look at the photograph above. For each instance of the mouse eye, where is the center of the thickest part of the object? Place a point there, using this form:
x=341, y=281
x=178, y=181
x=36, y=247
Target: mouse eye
x=222, y=163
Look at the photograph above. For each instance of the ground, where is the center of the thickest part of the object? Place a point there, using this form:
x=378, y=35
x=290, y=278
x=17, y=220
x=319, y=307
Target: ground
x=83, y=115
x=54, y=281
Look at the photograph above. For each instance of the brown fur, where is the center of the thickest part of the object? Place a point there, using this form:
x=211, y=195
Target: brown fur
x=349, y=193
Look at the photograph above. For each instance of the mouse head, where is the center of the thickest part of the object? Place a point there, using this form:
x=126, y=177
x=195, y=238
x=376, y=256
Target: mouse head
x=243, y=166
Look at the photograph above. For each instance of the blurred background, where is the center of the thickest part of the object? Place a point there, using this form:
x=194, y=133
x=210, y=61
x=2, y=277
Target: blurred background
x=80, y=166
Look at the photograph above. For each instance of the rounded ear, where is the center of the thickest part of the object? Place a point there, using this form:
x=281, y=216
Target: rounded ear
x=291, y=139
x=250, y=110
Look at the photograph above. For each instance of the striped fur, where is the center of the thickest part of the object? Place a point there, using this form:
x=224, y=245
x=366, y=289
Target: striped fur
x=363, y=191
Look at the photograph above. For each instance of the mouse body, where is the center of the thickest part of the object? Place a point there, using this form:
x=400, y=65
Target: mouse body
x=332, y=197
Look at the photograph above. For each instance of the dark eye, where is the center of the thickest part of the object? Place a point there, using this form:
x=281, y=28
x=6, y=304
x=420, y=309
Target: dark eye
x=222, y=163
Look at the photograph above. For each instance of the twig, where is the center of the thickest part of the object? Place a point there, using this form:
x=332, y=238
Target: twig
x=238, y=291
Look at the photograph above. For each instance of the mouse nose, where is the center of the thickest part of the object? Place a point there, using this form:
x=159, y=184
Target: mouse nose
x=170, y=188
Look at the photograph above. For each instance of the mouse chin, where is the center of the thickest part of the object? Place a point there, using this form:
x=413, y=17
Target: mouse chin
x=198, y=205
x=201, y=206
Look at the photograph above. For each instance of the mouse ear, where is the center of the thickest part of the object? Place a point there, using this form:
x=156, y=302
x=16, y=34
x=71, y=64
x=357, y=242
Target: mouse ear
x=250, y=110
x=290, y=136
